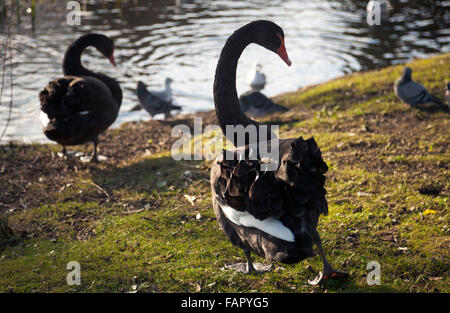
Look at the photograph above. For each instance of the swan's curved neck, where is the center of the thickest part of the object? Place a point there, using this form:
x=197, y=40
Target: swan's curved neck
x=226, y=100
x=72, y=58
x=72, y=65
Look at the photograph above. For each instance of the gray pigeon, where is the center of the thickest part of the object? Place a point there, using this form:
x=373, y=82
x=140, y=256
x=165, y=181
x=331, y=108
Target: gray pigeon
x=411, y=92
x=152, y=103
x=165, y=94
x=256, y=104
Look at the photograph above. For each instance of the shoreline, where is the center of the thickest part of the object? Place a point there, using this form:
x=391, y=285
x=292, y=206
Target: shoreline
x=278, y=97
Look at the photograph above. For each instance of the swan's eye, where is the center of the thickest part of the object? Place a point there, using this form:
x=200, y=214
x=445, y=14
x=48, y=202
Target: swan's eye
x=279, y=39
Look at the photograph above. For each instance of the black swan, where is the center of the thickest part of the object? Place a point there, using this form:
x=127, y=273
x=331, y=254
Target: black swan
x=271, y=213
x=153, y=103
x=411, y=92
x=78, y=107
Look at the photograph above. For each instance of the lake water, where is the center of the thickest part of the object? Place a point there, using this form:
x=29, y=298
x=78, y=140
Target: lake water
x=158, y=39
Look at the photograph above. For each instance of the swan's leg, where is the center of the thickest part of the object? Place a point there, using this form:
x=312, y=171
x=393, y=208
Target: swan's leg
x=328, y=271
x=94, y=157
x=249, y=267
x=63, y=153
x=248, y=256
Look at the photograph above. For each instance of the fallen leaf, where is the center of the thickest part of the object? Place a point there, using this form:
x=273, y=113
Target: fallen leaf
x=191, y=199
x=429, y=211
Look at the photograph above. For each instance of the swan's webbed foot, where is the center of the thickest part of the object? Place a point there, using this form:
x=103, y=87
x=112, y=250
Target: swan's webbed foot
x=94, y=158
x=67, y=154
x=97, y=159
x=249, y=267
x=257, y=268
x=63, y=153
x=326, y=273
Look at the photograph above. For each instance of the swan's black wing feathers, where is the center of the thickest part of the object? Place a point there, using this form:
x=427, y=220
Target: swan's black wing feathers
x=295, y=188
x=52, y=95
x=79, y=109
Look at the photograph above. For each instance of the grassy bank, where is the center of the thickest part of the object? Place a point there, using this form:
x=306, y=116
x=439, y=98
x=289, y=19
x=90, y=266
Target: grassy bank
x=144, y=222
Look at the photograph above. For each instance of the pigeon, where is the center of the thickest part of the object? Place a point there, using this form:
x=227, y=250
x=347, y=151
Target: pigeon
x=152, y=103
x=447, y=95
x=257, y=104
x=165, y=94
x=256, y=78
x=411, y=92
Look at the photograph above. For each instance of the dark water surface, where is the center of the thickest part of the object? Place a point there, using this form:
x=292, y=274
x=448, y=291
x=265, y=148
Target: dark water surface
x=157, y=39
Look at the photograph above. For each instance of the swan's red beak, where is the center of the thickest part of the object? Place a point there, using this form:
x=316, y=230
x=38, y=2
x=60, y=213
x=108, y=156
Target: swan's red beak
x=112, y=60
x=283, y=53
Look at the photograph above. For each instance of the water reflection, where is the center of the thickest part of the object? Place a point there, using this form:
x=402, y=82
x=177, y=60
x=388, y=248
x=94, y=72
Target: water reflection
x=182, y=39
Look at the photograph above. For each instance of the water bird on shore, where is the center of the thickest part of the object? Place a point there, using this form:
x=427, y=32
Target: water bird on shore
x=411, y=92
x=165, y=94
x=76, y=108
x=271, y=213
x=153, y=103
x=256, y=78
x=256, y=104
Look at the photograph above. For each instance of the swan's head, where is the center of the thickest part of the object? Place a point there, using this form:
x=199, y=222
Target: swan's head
x=271, y=36
x=106, y=47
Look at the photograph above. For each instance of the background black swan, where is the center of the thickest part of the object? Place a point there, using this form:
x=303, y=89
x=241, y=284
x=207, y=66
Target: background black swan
x=271, y=213
x=82, y=104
